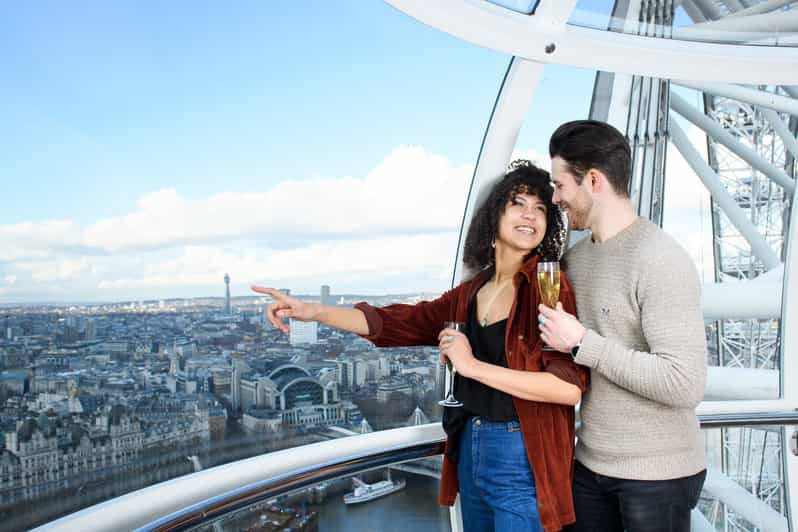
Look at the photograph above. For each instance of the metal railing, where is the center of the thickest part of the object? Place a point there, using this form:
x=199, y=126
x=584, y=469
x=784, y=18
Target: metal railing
x=197, y=498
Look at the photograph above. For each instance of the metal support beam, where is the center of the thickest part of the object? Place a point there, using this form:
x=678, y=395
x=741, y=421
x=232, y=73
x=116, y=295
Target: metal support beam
x=763, y=7
x=744, y=94
x=734, y=6
x=714, y=130
x=693, y=11
x=782, y=130
x=539, y=38
x=779, y=22
x=709, y=9
x=744, y=503
x=741, y=300
x=741, y=384
x=791, y=90
x=736, y=215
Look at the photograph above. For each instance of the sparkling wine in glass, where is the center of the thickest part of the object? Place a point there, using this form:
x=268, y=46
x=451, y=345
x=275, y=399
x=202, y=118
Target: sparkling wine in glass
x=450, y=400
x=549, y=286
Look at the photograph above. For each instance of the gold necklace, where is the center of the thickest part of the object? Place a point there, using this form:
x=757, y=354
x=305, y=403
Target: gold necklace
x=499, y=290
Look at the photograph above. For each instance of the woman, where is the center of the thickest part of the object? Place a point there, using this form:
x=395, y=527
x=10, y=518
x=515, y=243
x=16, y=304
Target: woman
x=509, y=450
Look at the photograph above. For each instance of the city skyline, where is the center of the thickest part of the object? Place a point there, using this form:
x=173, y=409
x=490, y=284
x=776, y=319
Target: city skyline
x=97, y=399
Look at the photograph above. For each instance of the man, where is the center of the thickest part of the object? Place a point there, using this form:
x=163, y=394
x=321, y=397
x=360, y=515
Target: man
x=640, y=461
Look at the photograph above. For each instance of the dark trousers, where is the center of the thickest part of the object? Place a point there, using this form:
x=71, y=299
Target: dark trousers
x=608, y=504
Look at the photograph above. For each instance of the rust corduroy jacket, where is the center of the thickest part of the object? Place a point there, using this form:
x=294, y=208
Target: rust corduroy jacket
x=547, y=428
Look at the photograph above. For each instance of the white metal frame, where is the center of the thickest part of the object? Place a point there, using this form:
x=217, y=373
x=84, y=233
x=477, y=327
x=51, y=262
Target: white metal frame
x=789, y=358
x=539, y=38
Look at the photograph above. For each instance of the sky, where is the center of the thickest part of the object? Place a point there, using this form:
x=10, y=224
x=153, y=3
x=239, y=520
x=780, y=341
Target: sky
x=151, y=147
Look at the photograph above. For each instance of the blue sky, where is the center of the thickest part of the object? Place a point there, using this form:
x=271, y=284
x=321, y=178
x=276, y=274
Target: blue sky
x=126, y=126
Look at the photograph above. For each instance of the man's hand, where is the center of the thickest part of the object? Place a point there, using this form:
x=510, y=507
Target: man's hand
x=558, y=329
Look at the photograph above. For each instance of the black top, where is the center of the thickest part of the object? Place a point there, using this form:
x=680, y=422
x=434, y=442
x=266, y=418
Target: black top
x=487, y=344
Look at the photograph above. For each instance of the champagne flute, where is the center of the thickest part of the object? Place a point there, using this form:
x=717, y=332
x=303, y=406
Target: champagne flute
x=549, y=287
x=450, y=400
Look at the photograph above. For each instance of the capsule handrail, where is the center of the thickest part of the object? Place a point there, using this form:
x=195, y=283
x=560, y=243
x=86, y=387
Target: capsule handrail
x=194, y=499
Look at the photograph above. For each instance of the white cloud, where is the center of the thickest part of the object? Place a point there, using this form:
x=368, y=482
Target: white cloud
x=401, y=219
x=30, y=240
x=393, y=230
x=385, y=201
x=306, y=267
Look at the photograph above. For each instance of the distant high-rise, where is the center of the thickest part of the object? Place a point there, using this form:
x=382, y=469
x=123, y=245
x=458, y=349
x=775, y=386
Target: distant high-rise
x=91, y=330
x=227, y=294
x=302, y=332
x=325, y=295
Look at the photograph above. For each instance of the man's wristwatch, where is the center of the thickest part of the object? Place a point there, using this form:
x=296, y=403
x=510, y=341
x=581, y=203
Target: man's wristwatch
x=575, y=349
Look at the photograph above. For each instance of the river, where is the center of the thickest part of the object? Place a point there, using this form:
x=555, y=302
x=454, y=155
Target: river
x=414, y=508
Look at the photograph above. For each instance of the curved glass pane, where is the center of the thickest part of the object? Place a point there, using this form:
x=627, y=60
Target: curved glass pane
x=746, y=487
x=395, y=499
x=744, y=345
x=766, y=23
x=163, y=158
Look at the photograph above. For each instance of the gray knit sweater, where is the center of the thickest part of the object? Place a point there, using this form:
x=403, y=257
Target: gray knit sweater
x=638, y=295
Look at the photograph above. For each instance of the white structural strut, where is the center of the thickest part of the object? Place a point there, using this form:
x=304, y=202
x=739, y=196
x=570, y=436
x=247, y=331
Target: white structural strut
x=733, y=300
x=699, y=523
x=758, y=406
x=763, y=7
x=709, y=9
x=717, y=132
x=770, y=100
x=693, y=11
x=764, y=23
x=736, y=215
x=736, y=384
x=539, y=38
x=757, y=512
x=734, y=5
x=792, y=91
x=781, y=129
x=505, y=123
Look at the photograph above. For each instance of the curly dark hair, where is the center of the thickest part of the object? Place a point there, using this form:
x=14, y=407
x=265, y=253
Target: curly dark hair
x=522, y=177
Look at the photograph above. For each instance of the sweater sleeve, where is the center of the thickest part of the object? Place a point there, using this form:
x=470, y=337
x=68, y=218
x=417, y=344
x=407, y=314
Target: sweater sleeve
x=407, y=325
x=673, y=370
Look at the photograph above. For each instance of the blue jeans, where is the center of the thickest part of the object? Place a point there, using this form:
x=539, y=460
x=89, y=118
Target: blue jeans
x=497, y=487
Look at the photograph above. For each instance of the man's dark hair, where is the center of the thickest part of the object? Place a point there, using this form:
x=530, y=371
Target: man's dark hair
x=586, y=144
x=523, y=177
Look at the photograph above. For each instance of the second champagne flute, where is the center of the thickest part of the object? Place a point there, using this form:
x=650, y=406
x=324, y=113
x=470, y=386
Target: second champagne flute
x=450, y=400
x=549, y=286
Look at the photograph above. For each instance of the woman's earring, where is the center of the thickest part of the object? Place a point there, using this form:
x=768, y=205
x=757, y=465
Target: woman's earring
x=493, y=244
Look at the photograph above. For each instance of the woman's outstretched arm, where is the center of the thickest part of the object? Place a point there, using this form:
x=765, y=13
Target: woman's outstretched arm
x=284, y=306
